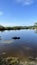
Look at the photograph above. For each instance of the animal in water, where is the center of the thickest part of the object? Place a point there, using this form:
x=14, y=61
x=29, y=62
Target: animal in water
x=15, y=37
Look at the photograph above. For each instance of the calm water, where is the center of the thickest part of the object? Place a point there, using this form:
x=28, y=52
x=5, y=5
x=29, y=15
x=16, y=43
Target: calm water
x=23, y=48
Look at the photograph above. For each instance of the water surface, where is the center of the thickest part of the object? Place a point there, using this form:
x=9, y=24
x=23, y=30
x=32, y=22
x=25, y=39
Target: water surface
x=23, y=48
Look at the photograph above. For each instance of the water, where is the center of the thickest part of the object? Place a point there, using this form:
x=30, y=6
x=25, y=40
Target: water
x=23, y=48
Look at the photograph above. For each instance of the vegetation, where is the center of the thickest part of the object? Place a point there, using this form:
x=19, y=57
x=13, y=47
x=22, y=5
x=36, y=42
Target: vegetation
x=18, y=27
x=15, y=61
x=9, y=61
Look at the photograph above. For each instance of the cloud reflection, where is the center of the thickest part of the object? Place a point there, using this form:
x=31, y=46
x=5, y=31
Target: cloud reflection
x=7, y=41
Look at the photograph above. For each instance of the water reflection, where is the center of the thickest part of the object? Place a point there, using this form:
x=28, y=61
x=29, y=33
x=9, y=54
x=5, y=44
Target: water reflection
x=6, y=41
x=35, y=30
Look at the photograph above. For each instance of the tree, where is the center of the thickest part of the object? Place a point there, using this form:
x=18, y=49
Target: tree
x=35, y=24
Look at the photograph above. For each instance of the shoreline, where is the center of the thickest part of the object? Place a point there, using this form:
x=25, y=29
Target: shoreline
x=2, y=28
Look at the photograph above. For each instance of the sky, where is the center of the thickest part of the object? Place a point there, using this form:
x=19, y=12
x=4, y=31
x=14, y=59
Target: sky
x=18, y=12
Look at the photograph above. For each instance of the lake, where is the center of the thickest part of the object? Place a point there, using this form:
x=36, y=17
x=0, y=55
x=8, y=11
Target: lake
x=24, y=48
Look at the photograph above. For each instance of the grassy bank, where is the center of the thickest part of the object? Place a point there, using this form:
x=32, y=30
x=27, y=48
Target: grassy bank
x=15, y=61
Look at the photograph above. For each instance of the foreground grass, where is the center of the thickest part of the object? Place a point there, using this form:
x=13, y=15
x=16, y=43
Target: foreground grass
x=9, y=61
x=15, y=61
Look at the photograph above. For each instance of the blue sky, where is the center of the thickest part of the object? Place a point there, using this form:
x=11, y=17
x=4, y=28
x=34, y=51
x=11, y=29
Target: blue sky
x=18, y=12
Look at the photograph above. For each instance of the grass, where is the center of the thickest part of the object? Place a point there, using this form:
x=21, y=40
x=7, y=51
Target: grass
x=9, y=61
x=15, y=61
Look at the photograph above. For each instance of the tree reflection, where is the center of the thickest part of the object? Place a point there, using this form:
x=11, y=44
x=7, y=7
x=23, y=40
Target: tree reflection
x=35, y=30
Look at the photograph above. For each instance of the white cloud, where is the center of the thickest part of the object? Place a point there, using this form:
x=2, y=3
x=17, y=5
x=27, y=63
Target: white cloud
x=25, y=2
x=1, y=13
x=28, y=2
